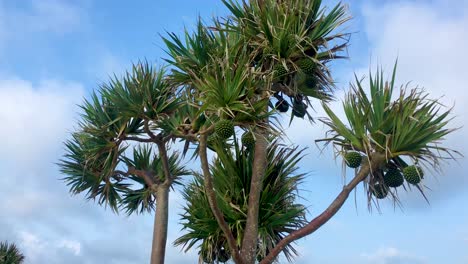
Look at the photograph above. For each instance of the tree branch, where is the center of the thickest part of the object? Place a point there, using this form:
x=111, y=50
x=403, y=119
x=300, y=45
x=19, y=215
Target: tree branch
x=376, y=160
x=138, y=139
x=165, y=163
x=142, y=174
x=214, y=203
x=149, y=132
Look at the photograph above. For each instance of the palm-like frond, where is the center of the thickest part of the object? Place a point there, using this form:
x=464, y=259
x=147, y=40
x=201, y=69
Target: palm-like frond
x=284, y=32
x=140, y=197
x=279, y=213
x=142, y=93
x=409, y=127
x=10, y=254
x=123, y=109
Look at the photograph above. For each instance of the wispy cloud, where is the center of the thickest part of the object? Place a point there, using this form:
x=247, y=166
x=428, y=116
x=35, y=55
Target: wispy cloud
x=391, y=255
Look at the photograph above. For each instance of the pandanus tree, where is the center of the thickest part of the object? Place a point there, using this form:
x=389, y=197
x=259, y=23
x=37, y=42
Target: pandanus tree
x=236, y=76
x=10, y=254
x=119, y=153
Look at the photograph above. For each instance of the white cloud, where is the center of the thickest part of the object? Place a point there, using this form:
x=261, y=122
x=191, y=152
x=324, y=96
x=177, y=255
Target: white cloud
x=72, y=245
x=391, y=255
x=430, y=44
x=37, y=248
x=35, y=118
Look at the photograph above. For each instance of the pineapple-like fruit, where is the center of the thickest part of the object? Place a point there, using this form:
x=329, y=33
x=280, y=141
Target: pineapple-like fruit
x=282, y=106
x=306, y=65
x=248, y=140
x=299, y=108
x=224, y=129
x=393, y=178
x=413, y=174
x=380, y=191
x=353, y=159
x=279, y=71
x=223, y=255
x=208, y=257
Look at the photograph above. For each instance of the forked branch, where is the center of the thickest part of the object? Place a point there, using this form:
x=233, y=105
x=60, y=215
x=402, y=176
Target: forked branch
x=376, y=160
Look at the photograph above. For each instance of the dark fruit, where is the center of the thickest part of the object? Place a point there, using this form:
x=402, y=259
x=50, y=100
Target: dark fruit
x=282, y=106
x=299, y=108
x=353, y=159
x=208, y=257
x=223, y=255
x=311, y=82
x=393, y=178
x=380, y=191
x=248, y=140
x=224, y=129
x=413, y=174
x=306, y=65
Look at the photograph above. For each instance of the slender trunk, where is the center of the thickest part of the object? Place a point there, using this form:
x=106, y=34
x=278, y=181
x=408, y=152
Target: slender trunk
x=211, y=195
x=249, y=242
x=326, y=215
x=160, y=225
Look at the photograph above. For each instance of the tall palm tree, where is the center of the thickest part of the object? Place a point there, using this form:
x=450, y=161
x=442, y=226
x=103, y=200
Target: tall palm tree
x=140, y=111
x=279, y=211
x=10, y=254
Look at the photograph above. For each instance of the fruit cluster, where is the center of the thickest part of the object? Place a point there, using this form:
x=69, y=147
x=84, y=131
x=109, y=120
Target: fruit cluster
x=393, y=176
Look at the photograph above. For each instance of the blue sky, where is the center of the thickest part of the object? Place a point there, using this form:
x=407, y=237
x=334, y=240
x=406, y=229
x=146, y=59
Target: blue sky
x=55, y=52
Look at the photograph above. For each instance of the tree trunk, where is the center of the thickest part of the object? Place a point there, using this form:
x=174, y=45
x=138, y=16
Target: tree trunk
x=249, y=242
x=158, y=250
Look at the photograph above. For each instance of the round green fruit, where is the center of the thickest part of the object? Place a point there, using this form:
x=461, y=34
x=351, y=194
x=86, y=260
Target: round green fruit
x=306, y=65
x=224, y=129
x=353, y=159
x=413, y=174
x=248, y=140
x=380, y=191
x=279, y=71
x=282, y=106
x=393, y=178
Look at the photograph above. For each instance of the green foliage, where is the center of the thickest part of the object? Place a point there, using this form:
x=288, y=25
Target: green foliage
x=139, y=200
x=410, y=126
x=10, y=254
x=122, y=110
x=279, y=214
x=286, y=32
